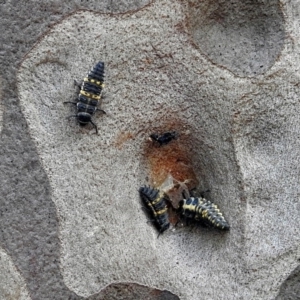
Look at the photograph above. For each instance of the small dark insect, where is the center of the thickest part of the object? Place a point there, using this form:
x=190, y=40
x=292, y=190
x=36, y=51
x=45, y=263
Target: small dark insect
x=89, y=95
x=204, y=211
x=156, y=205
x=164, y=138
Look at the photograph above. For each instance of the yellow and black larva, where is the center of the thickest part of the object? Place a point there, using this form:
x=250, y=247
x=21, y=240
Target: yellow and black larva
x=204, y=211
x=90, y=95
x=156, y=205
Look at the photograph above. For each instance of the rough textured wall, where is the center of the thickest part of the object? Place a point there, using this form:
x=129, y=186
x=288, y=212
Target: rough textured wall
x=224, y=75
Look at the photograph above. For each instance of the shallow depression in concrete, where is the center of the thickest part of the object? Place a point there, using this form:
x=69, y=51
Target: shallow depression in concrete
x=104, y=233
x=245, y=37
x=290, y=287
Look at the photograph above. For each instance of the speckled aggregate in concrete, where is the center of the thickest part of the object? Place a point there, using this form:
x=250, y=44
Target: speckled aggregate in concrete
x=12, y=284
x=1, y=107
x=103, y=232
x=245, y=149
x=28, y=216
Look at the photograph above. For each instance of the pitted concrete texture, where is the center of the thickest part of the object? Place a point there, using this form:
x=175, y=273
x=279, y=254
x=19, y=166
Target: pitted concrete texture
x=291, y=287
x=243, y=36
x=104, y=234
x=1, y=107
x=2, y=99
x=12, y=284
x=250, y=39
x=243, y=133
x=28, y=219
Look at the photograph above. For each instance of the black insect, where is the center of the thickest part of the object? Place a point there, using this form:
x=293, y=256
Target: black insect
x=156, y=206
x=164, y=138
x=203, y=211
x=90, y=95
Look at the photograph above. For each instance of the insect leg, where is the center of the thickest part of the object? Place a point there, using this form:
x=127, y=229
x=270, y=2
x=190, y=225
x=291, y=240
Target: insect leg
x=145, y=209
x=94, y=126
x=70, y=102
x=77, y=84
x=103, y=94
x=101, y=110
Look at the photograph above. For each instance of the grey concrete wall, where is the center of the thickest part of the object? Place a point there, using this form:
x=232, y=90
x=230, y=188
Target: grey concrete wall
x=222, y=74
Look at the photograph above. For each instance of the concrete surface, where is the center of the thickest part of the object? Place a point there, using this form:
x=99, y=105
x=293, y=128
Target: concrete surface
x=12, y=284
x=74, y=233
x=1, y=107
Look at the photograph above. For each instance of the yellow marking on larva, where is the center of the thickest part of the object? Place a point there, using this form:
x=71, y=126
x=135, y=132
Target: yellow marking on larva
x=189, y=207
x=216, y=207
x=198, y=209
x=89, y=95
x=96, y=82
x=159, y=197
x=160, y=212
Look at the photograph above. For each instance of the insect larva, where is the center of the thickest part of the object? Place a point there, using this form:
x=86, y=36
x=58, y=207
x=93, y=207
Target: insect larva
x=155, y=201
x=203, y=210
x=90, y=95
x=164, y=138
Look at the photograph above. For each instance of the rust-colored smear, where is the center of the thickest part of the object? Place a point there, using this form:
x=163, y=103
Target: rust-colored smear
x=121, y=138
x=174, y=217
x=170, y=159
x=175, y=160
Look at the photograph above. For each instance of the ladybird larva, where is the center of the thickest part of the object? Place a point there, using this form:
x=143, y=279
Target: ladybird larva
x=155, y=200
x=203, y=210
x=164, y=138
x=90, y=95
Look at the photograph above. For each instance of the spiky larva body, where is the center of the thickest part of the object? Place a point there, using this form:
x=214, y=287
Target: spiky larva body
x=155, y=201
x=203, y=210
